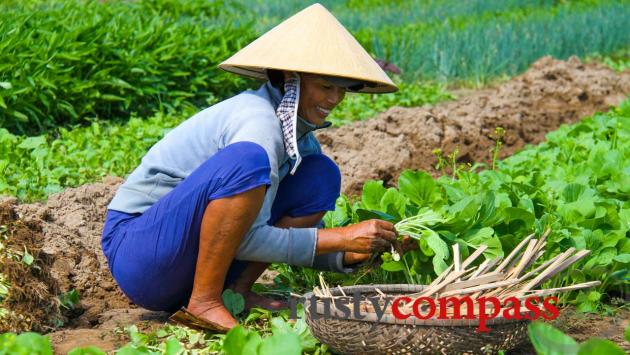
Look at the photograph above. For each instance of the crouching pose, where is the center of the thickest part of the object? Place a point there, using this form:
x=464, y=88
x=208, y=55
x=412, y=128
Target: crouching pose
x=244, y=183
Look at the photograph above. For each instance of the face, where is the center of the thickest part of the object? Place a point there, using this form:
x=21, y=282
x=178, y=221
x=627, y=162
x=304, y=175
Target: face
x=317, y=98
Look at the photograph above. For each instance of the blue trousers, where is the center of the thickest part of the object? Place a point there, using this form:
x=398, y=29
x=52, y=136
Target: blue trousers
x=152, y=256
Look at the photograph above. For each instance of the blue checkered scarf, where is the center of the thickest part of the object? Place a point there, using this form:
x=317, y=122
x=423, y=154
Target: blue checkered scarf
x=287, y=112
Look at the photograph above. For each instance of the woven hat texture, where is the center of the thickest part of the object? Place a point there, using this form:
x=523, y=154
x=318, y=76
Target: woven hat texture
x=311, y=41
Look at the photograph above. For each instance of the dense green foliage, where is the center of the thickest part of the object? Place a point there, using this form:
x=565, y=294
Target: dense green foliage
x=24, y=344
x=34, y=167
x=577, y=183
x=62, y=62
x=618, y=61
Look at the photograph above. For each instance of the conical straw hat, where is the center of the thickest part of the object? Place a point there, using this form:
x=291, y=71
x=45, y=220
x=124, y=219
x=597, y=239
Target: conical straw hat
x=311, y=41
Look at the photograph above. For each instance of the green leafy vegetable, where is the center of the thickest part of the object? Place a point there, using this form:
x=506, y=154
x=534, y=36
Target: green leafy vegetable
x=573, y=184
x=233, y=301
x=24, y=344
x=548, y=340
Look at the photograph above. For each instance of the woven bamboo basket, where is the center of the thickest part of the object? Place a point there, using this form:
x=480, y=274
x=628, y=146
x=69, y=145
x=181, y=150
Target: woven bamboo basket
x=410, y=336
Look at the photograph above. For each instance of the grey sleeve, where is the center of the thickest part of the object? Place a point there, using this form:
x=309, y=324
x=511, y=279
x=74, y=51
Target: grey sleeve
x=331, y=262
x=294, y=246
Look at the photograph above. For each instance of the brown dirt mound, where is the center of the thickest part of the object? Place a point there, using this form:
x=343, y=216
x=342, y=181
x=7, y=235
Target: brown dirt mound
x=72, y=222
x=550, y=93
x=31, y=302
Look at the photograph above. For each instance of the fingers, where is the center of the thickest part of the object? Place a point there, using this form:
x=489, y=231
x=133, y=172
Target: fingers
x=372, y=236
x=378, y=245
x=350, y=258
x=383, y=229
x=409, y=243
x=387, y=235
x=405, y=244
x=385, y=225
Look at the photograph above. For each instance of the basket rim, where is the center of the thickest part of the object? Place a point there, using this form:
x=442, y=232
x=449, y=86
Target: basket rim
x=371, y=317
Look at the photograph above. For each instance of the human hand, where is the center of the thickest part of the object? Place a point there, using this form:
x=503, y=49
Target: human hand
x=401, y=246
x=371, y=236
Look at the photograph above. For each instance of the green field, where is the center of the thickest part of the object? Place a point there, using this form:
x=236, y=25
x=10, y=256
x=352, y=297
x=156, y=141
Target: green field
x=88, y=86
x=473, y=40
x=69, y=62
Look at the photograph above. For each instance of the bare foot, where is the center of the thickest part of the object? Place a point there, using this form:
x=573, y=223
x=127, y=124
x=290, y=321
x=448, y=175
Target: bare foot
x=253, y=299
x=212, y=310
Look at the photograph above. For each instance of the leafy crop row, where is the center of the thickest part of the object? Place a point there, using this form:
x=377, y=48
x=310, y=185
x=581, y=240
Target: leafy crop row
x=34, y=167
x=618, y=61
x=577, y=183
x=478, y=48
x=261, y=333
x=62, y=62
x=265, y=334
x=470, y=40
x=67, y=62
x=360, y=14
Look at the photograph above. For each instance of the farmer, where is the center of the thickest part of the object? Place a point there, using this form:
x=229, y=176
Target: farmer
x=244, y=183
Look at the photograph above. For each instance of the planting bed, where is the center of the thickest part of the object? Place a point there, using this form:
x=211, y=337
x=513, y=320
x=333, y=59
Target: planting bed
x=65, y=230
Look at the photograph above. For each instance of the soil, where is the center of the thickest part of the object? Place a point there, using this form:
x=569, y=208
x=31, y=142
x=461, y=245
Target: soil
x=550, y=93
x=68, y=226
x=582, y=326
x=31, y=303
x=71, y=223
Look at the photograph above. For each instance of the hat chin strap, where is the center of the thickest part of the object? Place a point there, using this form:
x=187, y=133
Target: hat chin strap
x=287, y=112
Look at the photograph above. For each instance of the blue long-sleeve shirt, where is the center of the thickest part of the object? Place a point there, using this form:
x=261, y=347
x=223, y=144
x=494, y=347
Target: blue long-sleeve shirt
x=249, y=116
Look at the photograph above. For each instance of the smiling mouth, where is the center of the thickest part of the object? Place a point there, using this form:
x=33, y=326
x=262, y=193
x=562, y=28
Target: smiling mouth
x=323, y=111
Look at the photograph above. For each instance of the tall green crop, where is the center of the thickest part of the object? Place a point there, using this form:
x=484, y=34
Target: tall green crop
x=474, y=40
x=493, y=44
x=64, y=62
